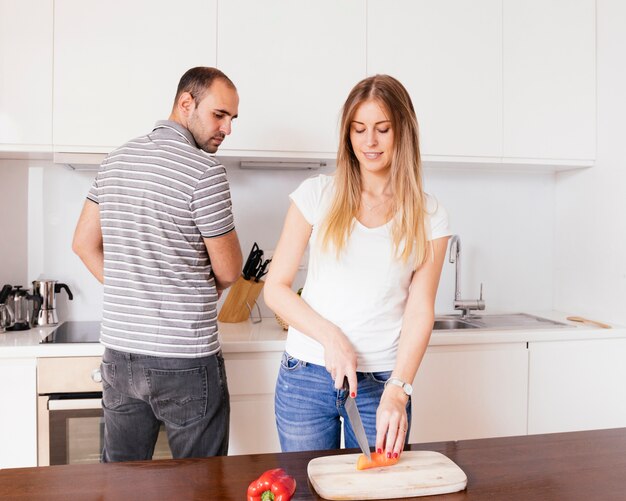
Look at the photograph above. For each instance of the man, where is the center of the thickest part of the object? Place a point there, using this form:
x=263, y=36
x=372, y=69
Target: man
x=157, y=230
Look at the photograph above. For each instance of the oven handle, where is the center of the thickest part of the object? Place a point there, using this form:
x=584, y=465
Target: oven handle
x=75, y=404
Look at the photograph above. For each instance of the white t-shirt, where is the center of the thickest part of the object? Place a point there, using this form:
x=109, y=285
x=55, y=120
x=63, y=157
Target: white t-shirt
x=365, y=290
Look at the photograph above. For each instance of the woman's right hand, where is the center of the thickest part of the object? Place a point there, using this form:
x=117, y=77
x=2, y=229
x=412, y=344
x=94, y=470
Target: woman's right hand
x=340, y=360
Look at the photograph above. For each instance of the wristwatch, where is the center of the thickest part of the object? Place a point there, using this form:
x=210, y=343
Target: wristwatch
x=406, y=387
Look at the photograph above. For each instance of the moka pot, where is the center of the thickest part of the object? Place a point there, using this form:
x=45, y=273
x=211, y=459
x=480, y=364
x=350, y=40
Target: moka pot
x=47, y=291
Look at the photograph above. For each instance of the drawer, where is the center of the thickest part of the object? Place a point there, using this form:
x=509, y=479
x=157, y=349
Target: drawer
x=67, y=374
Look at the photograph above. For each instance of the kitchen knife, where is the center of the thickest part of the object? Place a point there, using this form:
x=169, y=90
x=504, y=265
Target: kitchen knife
x=262, y=270
x=256, y=255
x=255, y=248
x=355, y=421
x=255, y=264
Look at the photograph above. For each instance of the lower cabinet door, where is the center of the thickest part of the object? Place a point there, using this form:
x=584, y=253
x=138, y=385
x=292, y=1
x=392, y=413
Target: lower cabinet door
x=18, y=417
x=577, y=385
x=252, y=425
x=470, y=391
x=251, y=383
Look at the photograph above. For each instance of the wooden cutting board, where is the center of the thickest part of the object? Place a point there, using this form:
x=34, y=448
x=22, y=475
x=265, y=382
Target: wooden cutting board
x=418, y=473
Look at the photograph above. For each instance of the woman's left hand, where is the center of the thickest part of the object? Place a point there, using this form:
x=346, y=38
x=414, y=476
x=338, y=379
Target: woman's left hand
x=391, y=422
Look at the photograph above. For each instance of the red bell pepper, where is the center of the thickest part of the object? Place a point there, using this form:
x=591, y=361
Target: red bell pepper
x=272, y=485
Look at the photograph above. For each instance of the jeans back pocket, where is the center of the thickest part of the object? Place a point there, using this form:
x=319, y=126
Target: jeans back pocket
x=111, y=397
x=178, y=396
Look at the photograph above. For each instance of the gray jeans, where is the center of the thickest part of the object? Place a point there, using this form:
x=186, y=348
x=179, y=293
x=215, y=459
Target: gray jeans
x=188, y=395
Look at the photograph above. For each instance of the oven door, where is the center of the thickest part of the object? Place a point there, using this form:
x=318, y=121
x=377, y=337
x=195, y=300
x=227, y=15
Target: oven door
x=71, y=430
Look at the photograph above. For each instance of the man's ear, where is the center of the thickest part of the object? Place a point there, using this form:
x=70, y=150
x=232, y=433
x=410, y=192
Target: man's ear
x=185, y=104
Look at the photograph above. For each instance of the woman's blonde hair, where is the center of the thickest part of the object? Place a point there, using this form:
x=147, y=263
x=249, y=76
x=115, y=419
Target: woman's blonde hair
x=408, y=201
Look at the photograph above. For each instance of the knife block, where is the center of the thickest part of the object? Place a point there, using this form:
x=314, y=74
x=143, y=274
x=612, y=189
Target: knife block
x=241, y=298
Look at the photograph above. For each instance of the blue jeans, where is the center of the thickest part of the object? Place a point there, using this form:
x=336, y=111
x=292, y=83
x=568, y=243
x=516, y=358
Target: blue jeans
x=188, y=395
x=308, y=407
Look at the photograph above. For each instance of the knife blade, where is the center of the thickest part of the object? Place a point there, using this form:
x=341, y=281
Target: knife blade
x=357, y=425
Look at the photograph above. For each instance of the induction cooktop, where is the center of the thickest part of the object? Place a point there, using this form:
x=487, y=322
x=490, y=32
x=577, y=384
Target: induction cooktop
x=75, y=332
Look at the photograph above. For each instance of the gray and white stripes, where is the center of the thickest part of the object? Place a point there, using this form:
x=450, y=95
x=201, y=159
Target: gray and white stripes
x=159, y=195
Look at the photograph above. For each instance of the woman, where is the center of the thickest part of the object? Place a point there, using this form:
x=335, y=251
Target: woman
x=377, y=245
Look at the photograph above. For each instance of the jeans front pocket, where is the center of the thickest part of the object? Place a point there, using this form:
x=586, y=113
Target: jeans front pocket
x=290, y=363
x=380, y=377
x=178, y=396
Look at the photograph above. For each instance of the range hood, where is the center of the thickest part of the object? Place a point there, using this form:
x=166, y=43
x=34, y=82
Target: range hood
x=79, y=161
x=281, y=164
x=90, y=161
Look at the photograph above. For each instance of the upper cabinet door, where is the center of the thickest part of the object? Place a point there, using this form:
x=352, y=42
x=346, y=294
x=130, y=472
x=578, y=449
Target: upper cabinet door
x=448, y=54
x=25, y=75
x=294, y=64
x=549, y=79
x=118, y=63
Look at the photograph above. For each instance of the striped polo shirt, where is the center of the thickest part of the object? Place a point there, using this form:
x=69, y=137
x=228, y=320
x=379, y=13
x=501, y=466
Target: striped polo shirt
x=159, y=195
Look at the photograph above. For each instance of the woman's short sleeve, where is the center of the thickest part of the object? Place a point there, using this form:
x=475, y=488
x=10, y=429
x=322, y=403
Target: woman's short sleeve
x=308, y=197
x=438, y=219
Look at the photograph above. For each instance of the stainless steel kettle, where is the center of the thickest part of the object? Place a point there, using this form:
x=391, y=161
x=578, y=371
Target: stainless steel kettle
x=47, y=290
x=5, y=316
x=21, y=305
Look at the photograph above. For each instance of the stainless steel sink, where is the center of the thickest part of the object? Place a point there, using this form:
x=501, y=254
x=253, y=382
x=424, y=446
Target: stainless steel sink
x=496, y=322
x=451, y=323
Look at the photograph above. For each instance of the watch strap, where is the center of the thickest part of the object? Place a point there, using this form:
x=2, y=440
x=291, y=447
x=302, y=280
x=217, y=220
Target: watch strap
x=406, y=388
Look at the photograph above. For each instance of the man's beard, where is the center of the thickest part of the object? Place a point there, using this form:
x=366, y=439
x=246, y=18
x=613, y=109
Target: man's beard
x=207, y=145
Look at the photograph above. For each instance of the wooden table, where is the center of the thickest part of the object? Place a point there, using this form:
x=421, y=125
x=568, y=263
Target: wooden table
x=586, y=466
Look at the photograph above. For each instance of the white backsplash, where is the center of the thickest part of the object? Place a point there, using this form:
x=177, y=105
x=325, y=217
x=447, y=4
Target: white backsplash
x=505, y=220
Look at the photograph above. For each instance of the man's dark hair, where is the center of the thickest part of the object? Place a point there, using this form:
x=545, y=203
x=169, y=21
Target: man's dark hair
x=198, y=80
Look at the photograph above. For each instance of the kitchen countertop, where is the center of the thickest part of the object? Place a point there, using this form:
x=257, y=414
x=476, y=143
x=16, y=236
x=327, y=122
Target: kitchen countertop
x=240, y=337
x=269, y=336
x=573, y=466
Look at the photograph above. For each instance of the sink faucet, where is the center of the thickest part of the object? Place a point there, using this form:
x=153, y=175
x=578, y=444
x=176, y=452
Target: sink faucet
x=465, y=305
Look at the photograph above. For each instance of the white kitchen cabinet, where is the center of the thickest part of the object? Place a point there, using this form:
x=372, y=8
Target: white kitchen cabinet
x=470, y=391
x=26, y=75
x=460, y=392
x=577, y=385
x=505, y=80
x=549, y=79
x=117, y=65
x=251, y=383
x=294, y=64
x=448, y=54
x=18, y=418
x=493, y=81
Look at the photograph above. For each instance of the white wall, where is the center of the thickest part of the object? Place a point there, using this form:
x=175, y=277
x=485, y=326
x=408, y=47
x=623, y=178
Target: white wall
x=506, y=224
x=505, y=220
x=590, y=243
x=55, y=197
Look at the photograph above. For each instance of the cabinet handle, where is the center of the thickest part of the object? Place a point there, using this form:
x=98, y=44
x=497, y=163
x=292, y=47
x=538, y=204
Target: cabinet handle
x=96, y=375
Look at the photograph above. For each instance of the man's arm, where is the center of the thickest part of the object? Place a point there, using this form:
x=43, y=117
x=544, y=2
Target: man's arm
x=87, y=243
x=226, y=258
